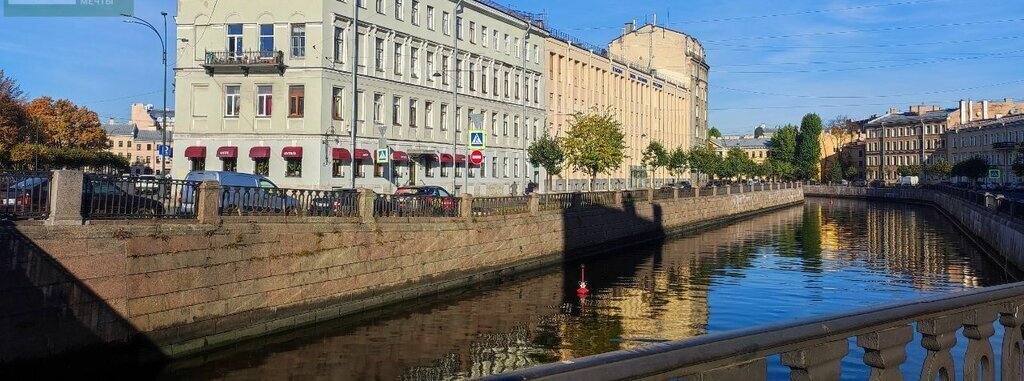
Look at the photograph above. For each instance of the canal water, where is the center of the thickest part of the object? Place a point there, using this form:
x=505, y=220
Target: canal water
x=822, y=257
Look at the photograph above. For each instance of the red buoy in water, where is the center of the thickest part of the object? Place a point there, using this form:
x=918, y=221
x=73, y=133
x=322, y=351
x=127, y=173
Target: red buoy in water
x=583, y=282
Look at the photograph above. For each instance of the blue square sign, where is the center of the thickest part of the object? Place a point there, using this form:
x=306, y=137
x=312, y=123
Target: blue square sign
x=477, y=140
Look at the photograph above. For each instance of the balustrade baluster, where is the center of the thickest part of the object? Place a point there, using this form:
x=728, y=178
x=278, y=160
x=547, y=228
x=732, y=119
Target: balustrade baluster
x=885, y=350
x=1011, y=316
x=939, y=337
x=978, y=328
x=817, y=363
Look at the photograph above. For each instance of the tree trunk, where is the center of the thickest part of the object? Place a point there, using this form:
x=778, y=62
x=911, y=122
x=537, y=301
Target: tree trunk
x=593, y=179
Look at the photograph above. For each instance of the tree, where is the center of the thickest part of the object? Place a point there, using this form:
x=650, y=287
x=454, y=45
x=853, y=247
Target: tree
x=833, y=171
x=594, y=144
x=973, y=168
x=703, y=159
x=908, y=170
x=654, y=157
x=63, y=124
x=782, y=153
x=842, y=130
x=1018, y=162
x=13, y=119
x=545, y=152
x=808, y=151
x=677, y=161
x=941, y=168
x=714, y=132
x=736, y=164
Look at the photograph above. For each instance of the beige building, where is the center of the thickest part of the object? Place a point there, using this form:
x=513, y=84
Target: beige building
x=995, y=140
x=265, y=86
x=650, y=104
x=755, y=148
x=139, y=146
x=904, y=139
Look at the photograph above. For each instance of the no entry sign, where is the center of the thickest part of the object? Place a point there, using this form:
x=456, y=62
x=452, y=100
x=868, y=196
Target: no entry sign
x=476, y=157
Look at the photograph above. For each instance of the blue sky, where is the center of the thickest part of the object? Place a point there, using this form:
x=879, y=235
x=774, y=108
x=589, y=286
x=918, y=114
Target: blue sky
x=771, y=62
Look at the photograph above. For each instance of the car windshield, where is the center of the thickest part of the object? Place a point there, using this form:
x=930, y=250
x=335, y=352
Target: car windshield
x=266, y=184
x=412, y=192
x=27, y=184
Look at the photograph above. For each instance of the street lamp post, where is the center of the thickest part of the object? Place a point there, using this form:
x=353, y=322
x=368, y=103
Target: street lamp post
x=163, y=44
x=455, y=99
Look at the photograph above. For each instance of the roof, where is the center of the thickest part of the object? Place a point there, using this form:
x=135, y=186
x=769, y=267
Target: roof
x=157, y=114
x=119, y=129
x=743, y=143
x=152, y=136
x=1012, y=121
x=911, y=118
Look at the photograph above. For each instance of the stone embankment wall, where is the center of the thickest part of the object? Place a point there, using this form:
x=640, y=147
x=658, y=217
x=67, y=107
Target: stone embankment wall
x=182, y=287
x=1001, y=235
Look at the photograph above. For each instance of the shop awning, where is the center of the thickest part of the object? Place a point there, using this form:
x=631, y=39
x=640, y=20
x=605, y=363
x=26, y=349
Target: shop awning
x=291, y=152
x=259, y=153
x=362, y=154
x=195, y=152
x=227, y=152
x=340, y=154
x=399, y=156
x=446, y=158
x=460, y=159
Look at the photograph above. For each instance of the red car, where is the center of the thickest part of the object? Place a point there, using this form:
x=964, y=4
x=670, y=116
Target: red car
x=424, y=201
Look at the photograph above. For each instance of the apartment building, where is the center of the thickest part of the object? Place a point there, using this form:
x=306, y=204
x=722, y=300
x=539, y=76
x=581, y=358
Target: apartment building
x=899, y=139
x=582, y=78
x=996, y=140
x=139, y=146
x=266, y=87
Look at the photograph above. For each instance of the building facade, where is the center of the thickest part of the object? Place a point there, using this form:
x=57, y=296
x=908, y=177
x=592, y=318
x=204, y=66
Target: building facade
x=755, y=148
x=649, y=107
x=266, y=87
x=905, y=139
x=995, y=140
x=139, y=146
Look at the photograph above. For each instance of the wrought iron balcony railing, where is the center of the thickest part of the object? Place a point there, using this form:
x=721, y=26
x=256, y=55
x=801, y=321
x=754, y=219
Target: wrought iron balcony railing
x=1004, y=145
x=245, y=62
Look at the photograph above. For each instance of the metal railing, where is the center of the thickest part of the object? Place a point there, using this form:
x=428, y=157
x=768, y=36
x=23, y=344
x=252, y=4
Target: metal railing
x=254, y=201
x=248, y=57
x=634, y=196
x=554, y=201
x=814, y=348
x=387, y=205
x=596, y=199
x=500, y=206
x=666, y=193
x=119, y=197
x=25, y=195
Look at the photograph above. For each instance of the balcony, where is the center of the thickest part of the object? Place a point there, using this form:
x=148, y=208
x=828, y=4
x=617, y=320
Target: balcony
x=248, y=62
x=1004, y=145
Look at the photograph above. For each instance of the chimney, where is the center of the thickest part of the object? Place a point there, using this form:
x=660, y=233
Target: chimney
x=629, y=28
x=112, y=121
x=984, y=110
x=1008, y=100
x=963, y=112
x=970, y=111
x=894, y=111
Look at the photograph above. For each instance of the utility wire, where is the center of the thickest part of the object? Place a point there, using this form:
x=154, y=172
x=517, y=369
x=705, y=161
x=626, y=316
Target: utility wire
x=851, y=31
x=867, y=96
x=1000, y=56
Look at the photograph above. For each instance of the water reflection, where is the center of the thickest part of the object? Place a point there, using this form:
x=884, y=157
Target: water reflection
x=822, y=257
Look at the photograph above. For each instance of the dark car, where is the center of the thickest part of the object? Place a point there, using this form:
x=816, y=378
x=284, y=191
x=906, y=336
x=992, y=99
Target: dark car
x=421, y=201
x=241, y=193
x=100, y=197
x=336, y=203
x=26, y=197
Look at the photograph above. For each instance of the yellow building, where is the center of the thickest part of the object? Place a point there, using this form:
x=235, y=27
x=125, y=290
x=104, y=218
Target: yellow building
x=650, y=106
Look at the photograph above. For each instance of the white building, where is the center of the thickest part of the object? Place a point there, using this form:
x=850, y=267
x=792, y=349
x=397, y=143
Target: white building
x=240, y=59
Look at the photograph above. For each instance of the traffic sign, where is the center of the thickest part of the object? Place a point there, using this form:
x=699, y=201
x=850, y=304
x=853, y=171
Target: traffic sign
x=477, y=140
x=995, y=173
x=382, y=155
x=165, y=151
x=476, y=157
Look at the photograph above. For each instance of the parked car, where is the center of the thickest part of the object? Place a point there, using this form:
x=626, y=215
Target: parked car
x=860, y=183
x=419, y=201
x=100, y=197
x=908, y=181
x=241, y=193
x=339, y=202
x=147, y=184
x=25, y=196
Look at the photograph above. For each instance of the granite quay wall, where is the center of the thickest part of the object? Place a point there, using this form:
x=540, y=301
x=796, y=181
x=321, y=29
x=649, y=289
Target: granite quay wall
x=994, y=222
x=181, y=287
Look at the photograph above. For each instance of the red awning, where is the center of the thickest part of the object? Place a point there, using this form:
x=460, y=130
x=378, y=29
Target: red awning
x=259, y=153
x=399, y=156
x=460, y=159
x=195, y=152
x=446, y=158
x=362, y=154
x=340, y=154
x=227, y=152
x=291, y=152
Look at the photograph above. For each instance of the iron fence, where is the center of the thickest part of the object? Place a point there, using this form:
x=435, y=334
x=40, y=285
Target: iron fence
x=555, y=201
x=665, y=193
x=387, y=205
x=500, y=206
x=25, y=195
x=633, y=196
x=596, y=199
x=688, y=192
x=255, y=201
x=121, y=197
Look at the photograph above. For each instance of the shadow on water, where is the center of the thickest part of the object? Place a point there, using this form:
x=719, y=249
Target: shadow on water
x=45, y=310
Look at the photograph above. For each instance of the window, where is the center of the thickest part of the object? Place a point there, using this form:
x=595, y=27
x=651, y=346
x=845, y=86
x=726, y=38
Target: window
x=515, y=167
x=359, y=170
x=428, y=110
x=267, y=41
x=444, y=117
x=378, y=170
x=508, y=45
x=430, y=17
x=198, y=164
x=414, y=62
x=472, y=32
x=234, y=41
x=398, y=58
x=515, y=127
x=430, y=66
x=293, y=167
x=360, y=38
x=504, y=125
x=232, y=100
x=399, y=10
x=494, y=40
x=494, y=124
x=264, y=100
x=299, y=40
x=338, y=103
x=472, y=76
x=458, y=119
x=261, y=167
x=412, y=112
x=526, y=91
x=361, y=107
x=338, y=169
x=458, y=72
x=230, y=164
x=536, y=90
x=339, y=44
x=444, y=70
x=446, y=27
x=138, y=146
x=428, y=166
x=517, y=86
x=515, y=47
x=149, y=147
x=378, y=57
x=483, y=35
x=378, y=108
x=296, y=101
x=396, y=110
x=504, y=167
x=380, y=6
x=458, y=27
x=444, y=169
x=415, y=12
x=494, y=80
x=506, y=84
x=483, y=80
x=494, y=167
x=120, y=144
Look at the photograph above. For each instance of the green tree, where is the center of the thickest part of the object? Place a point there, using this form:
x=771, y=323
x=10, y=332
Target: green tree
x=677, y=161
x=654, y=156
x=833, y=171
x=941, y=168
x=908, y=170
x=714, y=132
x=973, y=168
x=736, y=164
x=594, y=144
x=808, y=151
x=1018, y=163
x=545, y=152
x=782, y=153
x=703, y=159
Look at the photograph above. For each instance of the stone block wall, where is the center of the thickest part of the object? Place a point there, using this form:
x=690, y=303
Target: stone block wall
x=188, y=287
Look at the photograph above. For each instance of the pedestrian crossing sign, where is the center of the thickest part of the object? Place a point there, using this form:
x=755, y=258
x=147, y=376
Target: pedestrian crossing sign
x=476, y=140
x=382, y=156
